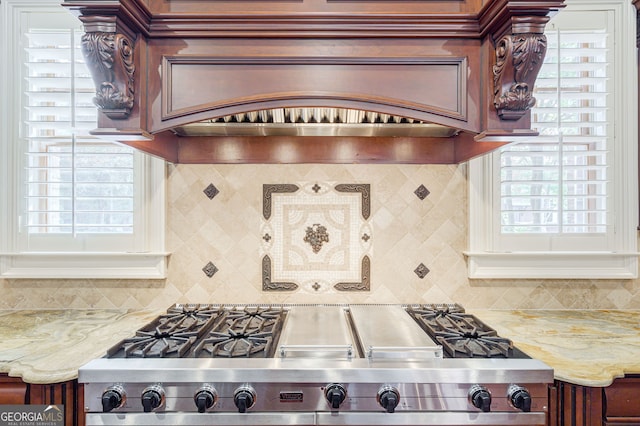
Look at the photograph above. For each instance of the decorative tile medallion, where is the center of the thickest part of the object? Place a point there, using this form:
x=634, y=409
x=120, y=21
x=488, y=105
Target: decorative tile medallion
x=211, y=191
x=422, y=192
x=421, y=271
x=210, y=269
x=320, y=237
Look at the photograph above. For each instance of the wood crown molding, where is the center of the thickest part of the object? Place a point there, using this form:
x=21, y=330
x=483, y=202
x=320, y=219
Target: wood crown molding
x=494, y=18
x=133, y=14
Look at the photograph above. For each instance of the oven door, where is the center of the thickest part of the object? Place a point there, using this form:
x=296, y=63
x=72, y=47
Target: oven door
x=317, y=419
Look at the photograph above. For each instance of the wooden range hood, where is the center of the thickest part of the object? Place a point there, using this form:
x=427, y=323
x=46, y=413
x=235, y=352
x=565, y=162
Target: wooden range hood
x=169, y=72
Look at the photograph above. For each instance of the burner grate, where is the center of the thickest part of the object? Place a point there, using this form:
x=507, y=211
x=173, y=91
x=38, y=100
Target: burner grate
x=474, y=343
x=157, y=344
x=248, y=332
x=171, y=335
x=460, y=334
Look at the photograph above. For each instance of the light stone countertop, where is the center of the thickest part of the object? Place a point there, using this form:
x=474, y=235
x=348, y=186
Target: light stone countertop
x=48, y=346
x=584, y=347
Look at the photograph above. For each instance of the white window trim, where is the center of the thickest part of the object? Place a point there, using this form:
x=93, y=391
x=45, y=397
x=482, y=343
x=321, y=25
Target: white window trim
x=485, y=261
x=148, y=263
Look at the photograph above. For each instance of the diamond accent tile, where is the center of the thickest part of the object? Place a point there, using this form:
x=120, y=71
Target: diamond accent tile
x=211, y=191
x=210, y=269
x=421, y=271
x=422, y=192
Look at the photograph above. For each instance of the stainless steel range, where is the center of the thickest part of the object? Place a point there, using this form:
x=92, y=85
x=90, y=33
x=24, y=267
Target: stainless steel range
x=316, y=365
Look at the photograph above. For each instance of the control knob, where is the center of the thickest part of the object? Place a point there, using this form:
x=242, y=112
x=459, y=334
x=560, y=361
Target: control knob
x=152, y=398
x=205, y=398
x=113, y=397
x=480, y=398
x=388, y=398
x=244, y=397
x=520, y=398
x=335, y=395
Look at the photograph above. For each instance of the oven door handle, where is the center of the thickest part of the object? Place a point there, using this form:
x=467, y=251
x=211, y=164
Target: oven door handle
x=316, y=351
x=404, y=353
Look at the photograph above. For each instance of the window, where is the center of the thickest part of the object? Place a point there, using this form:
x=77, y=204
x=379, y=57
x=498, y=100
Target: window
x=564, y=204
x=75, y=184
x=79, y=206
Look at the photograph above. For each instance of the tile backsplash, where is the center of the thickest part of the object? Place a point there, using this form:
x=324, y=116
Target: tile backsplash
x=418, y=231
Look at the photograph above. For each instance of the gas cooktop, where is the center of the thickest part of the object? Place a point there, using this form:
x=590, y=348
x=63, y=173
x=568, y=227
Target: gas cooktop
x=315, y=365
x=228, y=331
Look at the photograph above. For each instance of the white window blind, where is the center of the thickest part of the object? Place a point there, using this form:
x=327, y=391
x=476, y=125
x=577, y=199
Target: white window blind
x=558, y=183
x=556, y=188
x=75, y=183
x=73, y=206
x=564, y=204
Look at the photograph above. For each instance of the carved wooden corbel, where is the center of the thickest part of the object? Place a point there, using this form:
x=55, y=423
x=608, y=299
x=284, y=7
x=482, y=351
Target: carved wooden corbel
x=109, y=56
x=519, y=58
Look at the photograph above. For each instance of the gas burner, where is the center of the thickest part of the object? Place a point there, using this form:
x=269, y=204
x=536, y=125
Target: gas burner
x=476, y=343
x=156, y=344
x=171, y=335
x=187, y=318
x=248, y=332
x=447, y=317
x=437, y=310
x=231, y=345
x=460, y=334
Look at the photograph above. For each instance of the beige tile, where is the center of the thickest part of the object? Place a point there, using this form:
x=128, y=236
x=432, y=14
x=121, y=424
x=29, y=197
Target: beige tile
x=406, y=231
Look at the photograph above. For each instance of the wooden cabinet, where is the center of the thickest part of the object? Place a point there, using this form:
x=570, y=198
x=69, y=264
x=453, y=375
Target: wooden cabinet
x=12, y=390
x=15, y=391
x=575, y=405
x=617, y=404
x=622, y=402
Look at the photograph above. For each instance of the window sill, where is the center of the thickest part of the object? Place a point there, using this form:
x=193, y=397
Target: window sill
x=84, y=265
x=557, y=265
